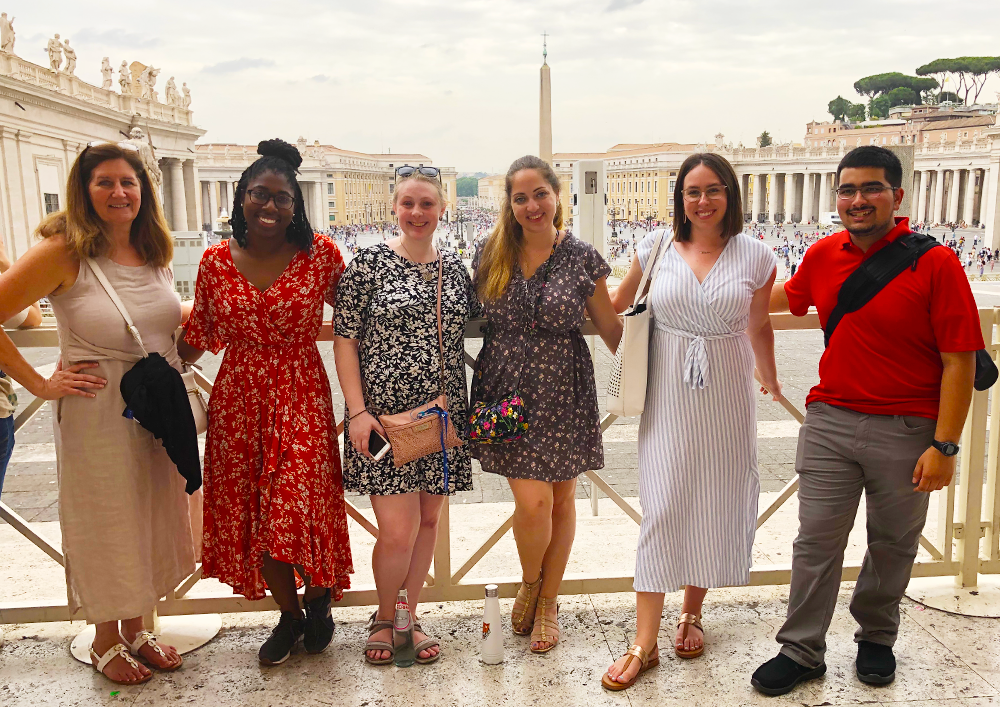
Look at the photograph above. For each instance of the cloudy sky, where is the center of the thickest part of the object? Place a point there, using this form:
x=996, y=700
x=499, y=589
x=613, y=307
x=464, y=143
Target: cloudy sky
x=458, y=80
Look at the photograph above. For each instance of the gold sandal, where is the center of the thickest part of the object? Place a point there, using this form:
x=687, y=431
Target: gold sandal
x=645, y=663
x=524, y=607
x=690, y=620
x=546, y=630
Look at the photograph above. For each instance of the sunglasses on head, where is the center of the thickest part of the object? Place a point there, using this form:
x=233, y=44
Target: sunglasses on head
x=123, y=145
x=408, y=171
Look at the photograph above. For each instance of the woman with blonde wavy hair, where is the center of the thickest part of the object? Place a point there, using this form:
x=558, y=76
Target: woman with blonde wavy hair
x=538, y=283
x=126, y=533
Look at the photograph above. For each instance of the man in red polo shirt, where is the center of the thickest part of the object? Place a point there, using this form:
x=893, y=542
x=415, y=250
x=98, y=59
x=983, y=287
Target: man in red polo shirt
x=895, y=387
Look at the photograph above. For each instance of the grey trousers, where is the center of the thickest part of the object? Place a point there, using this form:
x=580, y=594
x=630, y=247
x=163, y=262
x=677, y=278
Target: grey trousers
x=840, y=454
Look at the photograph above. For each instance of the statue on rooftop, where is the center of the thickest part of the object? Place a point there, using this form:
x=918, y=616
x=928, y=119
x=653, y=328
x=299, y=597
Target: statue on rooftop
x=54, y=48
x=147, y=80
x=6, y=33
x=70, y=57
x=186, y=101
x=106, y=74
x=124, y=77
x=137, y=137
x=170, y=92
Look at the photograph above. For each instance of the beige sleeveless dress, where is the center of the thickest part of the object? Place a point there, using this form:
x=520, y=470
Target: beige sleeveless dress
x=126, y=532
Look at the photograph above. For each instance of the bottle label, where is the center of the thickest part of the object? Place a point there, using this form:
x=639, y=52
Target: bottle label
x=402, y=619
x=486, y=630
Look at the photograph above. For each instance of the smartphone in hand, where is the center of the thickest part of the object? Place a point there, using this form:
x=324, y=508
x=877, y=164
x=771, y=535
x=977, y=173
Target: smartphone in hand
x=378, y=446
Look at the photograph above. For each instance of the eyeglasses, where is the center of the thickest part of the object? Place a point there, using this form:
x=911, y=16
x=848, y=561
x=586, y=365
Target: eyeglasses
x=408, y=171
x=262, y=196
x=712, y=193
x=868, y=191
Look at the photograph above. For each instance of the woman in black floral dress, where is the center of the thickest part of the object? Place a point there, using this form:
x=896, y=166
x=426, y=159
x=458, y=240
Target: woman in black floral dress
x=530, y=270
x=388, y=361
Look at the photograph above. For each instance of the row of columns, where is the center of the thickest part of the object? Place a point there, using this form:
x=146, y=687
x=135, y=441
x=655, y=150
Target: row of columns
x=948, y=195
x=217, y=196
x=792, y=197
x=180, y=199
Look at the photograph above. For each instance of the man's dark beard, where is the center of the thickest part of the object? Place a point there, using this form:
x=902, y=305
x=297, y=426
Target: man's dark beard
x=875, y=228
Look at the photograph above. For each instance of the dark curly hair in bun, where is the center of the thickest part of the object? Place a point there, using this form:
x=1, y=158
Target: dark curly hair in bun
x=281, y=158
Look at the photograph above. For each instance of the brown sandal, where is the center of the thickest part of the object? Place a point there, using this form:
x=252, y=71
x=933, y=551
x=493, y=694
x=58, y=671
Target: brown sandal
x=690, y=620
x=645, y=663
x=545, y=630
x=522, y=617
x=424, y=645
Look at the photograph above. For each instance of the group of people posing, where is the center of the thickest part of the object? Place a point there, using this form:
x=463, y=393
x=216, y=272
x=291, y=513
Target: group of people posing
x=274, y=513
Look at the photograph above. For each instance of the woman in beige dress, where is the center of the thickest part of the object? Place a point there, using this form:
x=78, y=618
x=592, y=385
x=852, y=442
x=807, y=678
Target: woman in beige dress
x=126, y=534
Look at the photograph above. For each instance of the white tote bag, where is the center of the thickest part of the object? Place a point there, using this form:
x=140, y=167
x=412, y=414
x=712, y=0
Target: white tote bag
x=627, y=382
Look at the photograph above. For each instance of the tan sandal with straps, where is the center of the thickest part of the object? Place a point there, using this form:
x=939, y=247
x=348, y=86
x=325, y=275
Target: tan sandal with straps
x=645, y=663
x=688, y=620
x=374, y=626
x=522, y=617
x=546, y=630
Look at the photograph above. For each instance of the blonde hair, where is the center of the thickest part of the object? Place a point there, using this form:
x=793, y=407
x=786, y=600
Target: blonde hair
x=502, y=251
x=423, y=178
x=83, y=228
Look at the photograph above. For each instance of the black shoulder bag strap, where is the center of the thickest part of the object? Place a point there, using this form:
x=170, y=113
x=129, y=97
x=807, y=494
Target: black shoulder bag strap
x=878, y=271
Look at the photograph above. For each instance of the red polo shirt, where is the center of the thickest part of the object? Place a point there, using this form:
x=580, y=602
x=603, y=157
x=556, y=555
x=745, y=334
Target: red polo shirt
x=884, y=359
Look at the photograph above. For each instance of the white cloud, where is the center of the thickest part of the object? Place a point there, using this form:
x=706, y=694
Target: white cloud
x=459, y=81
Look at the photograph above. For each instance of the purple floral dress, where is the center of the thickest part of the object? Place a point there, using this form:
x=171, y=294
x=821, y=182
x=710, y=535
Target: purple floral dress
x=557, y=380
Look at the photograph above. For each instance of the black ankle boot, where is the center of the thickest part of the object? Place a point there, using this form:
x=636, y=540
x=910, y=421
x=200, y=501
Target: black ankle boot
x=285, y=635
x=319, y=624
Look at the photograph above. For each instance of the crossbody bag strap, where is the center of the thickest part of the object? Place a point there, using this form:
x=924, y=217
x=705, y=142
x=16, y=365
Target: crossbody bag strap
x=102, y=278
x=440, y=332
x=869, y=278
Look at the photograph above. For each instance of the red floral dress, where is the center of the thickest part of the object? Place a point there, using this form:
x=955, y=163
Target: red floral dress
x=272, y=463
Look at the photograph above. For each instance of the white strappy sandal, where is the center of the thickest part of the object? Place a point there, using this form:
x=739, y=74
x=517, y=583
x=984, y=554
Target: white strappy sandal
x=144, y=637
x=116, y=650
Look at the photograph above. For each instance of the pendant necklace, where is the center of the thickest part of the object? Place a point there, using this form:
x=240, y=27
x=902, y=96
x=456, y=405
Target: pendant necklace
x=425, y=273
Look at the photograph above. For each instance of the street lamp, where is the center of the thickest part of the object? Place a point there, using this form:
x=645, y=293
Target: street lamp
x=614, y=221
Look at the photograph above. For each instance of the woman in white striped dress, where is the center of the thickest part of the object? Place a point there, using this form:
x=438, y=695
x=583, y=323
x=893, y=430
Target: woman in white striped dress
x=698, y=478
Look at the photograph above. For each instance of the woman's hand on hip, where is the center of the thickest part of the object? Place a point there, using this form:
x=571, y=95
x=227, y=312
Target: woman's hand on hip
x=361, y=428
x=71, y=382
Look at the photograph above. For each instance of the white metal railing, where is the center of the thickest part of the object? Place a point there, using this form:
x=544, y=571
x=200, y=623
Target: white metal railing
x=970, y=512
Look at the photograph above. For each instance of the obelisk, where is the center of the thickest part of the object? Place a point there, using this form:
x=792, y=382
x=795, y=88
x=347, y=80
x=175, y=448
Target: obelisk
x=545, y=107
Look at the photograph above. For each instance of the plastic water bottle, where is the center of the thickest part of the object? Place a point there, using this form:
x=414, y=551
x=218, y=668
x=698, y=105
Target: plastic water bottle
x=491, y=647
x=402, y=633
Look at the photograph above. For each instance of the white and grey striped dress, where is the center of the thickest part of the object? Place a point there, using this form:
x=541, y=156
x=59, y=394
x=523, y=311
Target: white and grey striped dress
x=698, y=478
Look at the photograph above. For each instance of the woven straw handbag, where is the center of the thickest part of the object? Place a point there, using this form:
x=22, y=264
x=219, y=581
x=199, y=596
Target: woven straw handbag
x=427, y=428
x=627, y=382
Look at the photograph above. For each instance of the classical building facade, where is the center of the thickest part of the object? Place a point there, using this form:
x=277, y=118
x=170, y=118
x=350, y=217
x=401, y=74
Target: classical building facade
x=340, y=187
x=48, y=116
x=955, y=164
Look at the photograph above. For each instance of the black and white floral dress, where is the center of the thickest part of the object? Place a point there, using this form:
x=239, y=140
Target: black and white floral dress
x=385, y=302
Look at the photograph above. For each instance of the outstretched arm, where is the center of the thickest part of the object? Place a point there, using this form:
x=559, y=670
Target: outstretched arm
x=624, y=295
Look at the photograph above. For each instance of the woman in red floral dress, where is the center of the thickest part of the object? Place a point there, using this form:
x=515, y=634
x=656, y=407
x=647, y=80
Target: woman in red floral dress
x=274, y=499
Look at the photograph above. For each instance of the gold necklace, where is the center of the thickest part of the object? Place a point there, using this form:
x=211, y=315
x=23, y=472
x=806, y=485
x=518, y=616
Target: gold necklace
x=425, y=273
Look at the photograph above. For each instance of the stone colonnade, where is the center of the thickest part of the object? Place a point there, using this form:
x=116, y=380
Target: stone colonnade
x=180, y=199
x=217, y=198
x=939, y=195
x=770, y=197
x=945, y=195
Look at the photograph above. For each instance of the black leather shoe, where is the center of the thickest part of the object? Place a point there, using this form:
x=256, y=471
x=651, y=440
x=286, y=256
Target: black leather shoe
x=319, y=624
x=876, y=665
x=781, y=674
x=285, y=635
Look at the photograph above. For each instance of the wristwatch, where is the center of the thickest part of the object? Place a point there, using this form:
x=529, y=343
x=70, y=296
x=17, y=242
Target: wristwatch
x=949, y=449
